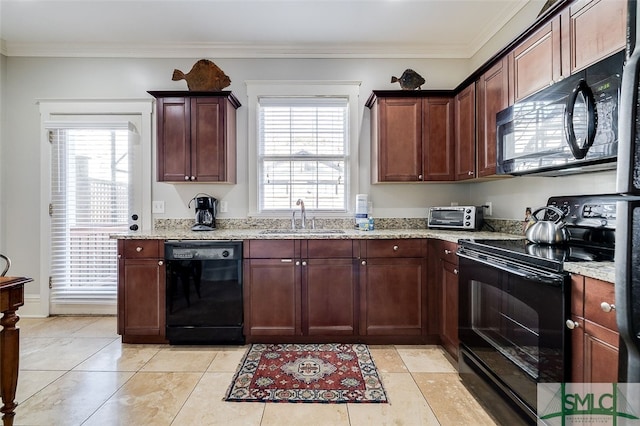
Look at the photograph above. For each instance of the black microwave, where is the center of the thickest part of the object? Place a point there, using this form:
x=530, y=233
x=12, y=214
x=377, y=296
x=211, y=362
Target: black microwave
x=569, y=127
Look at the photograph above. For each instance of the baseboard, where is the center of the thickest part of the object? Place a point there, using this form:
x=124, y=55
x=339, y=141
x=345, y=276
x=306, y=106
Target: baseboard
x=35, y=308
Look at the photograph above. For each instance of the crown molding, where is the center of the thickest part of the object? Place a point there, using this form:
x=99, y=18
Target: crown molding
x=237, y=50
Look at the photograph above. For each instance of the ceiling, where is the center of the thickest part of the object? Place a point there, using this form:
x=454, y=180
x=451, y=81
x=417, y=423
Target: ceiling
x=252, y=28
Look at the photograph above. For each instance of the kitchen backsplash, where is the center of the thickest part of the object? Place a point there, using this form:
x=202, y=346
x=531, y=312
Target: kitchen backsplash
x=499, y=225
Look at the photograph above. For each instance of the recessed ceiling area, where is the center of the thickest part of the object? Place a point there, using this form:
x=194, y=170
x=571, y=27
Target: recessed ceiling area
x=252, y=28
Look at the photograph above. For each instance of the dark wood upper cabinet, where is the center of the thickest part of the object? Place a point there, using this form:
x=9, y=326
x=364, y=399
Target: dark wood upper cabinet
x=537, y=61
x=412, y=136
x=196, y=134
x=465, y=129
x=597, y=30
x=493, y=97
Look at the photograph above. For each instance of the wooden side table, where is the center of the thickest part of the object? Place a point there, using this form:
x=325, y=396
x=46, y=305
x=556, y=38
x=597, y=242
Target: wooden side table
x=11, y=298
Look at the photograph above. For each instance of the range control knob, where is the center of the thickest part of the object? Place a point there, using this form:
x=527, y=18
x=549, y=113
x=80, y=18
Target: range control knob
x=468, y=210
x=467, y=223
x=134, y=227
x=225, y=253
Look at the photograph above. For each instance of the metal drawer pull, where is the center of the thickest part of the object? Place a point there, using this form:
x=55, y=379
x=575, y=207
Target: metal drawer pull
x=455, y=271
x=304, y=263
x=607, y=307
x=160, y=263
x=395, y=248
x=138, y=249
x=447, y=251
x=286, y=260
x=572, y=324
x=364, y=262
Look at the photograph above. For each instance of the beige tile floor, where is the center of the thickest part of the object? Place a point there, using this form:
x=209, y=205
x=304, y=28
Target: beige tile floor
x=75, y=371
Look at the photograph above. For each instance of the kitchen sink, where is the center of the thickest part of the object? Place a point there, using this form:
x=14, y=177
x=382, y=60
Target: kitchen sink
x=302, y=231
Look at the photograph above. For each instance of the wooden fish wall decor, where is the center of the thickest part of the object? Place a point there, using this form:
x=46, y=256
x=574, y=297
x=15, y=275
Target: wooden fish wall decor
x=409, y=80
x=204, y=76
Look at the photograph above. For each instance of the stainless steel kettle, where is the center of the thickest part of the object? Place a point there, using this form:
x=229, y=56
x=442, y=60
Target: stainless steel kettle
x=547, y=231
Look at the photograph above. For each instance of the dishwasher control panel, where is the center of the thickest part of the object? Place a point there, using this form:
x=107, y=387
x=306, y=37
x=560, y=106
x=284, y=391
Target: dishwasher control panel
x=202, y=250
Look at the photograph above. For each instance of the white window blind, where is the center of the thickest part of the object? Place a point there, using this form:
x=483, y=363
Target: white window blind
x=90, y=195
x=303, y=153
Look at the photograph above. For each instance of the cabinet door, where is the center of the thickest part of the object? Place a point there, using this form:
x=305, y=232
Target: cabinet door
x=598, y=29
x=174, y=127
x=493, y=97
x=399, y=151
x=208, y=148
x=143, y=300
x=392, y=295
x=600, y=354
x=465, y=108
x=329, y=297
x=537, y=61
x=449, y=321
x=438, y=132
x=271, y=297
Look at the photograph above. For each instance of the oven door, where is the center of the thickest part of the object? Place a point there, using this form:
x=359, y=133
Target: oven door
x=511, y=326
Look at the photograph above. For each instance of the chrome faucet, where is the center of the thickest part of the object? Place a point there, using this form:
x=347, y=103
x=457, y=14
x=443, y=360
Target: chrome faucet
x=293, y=220
x=303, y=214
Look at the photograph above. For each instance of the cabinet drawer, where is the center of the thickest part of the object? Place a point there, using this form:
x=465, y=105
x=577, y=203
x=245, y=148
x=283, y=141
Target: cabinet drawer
x=143, y=249
x=270, y=249
x=596, y=293
x=329, y=249
x=396, y=248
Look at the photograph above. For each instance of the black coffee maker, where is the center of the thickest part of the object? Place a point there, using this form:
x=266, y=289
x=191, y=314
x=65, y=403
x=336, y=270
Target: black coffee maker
x=205, y=212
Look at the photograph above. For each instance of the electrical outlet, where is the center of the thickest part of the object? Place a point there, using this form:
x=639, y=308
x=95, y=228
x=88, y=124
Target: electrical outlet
x=157, y=207
x=489, y=208
x=224, y=207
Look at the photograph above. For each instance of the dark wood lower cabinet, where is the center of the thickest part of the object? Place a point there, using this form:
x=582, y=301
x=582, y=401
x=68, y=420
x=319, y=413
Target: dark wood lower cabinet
x=141, y=291
x=393, y=299
x=594, y=336
x=329, y=299
x=271, y=297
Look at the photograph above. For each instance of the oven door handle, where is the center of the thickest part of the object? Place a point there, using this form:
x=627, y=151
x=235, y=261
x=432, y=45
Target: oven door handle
x=555, y=280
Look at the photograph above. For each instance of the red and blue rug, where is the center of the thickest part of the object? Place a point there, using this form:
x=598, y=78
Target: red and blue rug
x=322, y=373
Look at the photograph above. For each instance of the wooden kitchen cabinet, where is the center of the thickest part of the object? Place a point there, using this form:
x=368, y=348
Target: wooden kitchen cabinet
x=597, y=30
x=141, y=291
x=196, y=136
x=307, y=290
x=594, y=336
x=412, y=137
x=465, y=132
x=493, y=97
x=444, y=281
x=537, y=62
x=393, y=276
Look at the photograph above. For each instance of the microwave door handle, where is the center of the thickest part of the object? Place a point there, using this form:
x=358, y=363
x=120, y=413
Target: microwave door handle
x=579, y=152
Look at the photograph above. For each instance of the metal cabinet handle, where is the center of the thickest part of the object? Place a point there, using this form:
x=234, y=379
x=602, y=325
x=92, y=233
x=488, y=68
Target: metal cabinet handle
x=297, y=263
x=470, y=173
x=304, y=263
x=138, y=249
x=286, y=260
x=395, y=248
x=186, y=178
x=419, y=177
x=364, y=262
x=160, y=263
x=572, y=324
x=447, y=251
x=607, y=307
x=455, y=271
x=193, y=178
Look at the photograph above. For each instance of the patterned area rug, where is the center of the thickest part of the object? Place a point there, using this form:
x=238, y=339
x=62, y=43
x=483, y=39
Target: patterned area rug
x=326, y=373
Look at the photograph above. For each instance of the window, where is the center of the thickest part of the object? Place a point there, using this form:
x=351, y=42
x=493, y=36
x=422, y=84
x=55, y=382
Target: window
x=303, y=153
x=302, y=145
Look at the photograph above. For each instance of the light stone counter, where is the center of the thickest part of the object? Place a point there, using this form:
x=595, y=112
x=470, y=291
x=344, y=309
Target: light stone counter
x=253, y=234
x=600, y=270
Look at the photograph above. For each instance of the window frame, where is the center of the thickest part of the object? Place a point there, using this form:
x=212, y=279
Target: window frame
x=257, y=89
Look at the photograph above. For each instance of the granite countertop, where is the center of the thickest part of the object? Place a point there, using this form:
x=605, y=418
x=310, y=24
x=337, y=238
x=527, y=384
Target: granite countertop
x=599, y=270
x=255, y=234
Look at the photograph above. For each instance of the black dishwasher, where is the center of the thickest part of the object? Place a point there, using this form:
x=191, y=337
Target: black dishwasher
x=204, y=292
